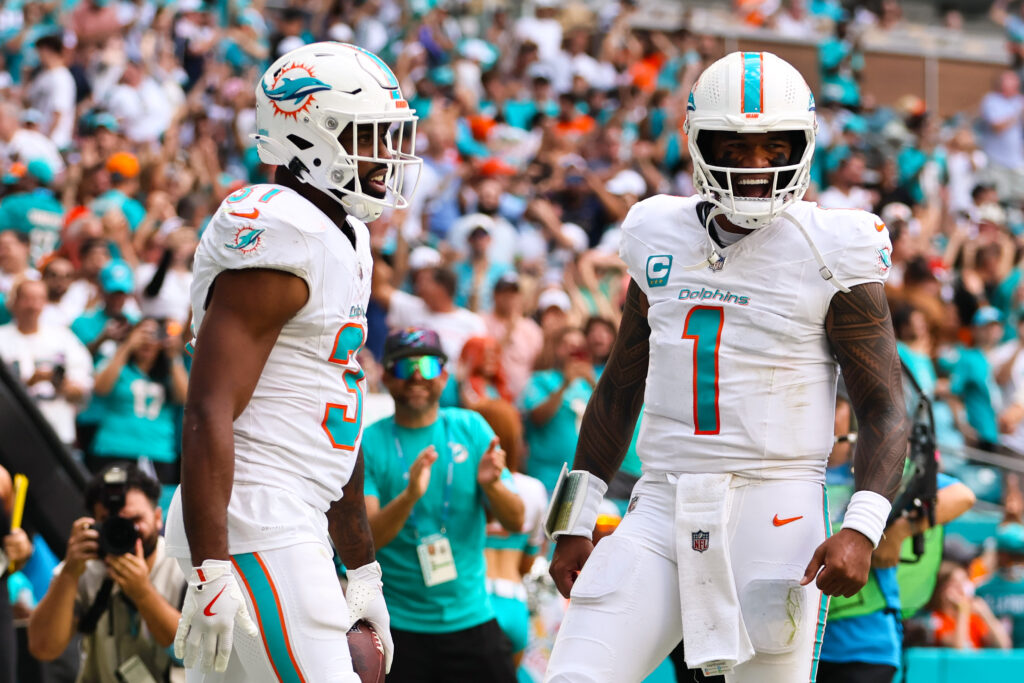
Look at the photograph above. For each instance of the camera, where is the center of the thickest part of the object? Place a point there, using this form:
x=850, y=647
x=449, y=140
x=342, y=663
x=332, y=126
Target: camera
x=117, y=535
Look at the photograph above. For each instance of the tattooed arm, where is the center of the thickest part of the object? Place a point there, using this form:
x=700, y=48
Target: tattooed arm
x=610, y=418
x=347, y=523
x=608, y=423
x=860, y=331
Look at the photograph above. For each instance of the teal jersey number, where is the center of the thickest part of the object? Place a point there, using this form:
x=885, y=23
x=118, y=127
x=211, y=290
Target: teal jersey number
x=704, y=327
x=342, y=423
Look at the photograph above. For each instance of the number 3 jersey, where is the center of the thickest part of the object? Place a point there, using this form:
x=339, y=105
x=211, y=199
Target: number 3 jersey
x=301, y=429
x=741, y=377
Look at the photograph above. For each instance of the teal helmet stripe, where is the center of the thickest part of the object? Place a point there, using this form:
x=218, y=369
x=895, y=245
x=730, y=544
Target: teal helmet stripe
x=753, y=77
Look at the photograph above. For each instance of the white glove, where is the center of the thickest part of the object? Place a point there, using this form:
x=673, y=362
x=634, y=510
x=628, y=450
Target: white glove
x=213, y=603
x=365, y=599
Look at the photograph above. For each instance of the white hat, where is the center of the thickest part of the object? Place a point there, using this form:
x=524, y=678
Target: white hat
x=627, y=181
x=424, y=257
x=554, y=297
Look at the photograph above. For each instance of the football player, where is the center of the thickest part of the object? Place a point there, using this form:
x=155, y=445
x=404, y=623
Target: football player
x=744, y=304
x=271, y=464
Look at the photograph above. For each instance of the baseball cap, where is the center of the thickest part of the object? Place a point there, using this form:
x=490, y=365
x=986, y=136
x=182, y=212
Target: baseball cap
x=40, y=170
x=986, y=315
x=424, y=257
x=124, y=164
x=507, y=282
x=556, y=298
x=1010, y=538
x=117, y=276
x=627, y=181
x=106, y=120
x=412, y=341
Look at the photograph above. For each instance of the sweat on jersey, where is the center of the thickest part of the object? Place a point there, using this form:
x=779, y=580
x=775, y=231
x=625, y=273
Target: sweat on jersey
x=741, y=378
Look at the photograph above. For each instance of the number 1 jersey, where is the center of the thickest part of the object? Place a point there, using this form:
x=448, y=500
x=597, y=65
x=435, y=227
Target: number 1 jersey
x=301, y=429
x=741, y=377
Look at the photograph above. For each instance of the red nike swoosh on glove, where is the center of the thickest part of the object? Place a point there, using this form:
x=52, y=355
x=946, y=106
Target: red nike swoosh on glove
x=206, y=610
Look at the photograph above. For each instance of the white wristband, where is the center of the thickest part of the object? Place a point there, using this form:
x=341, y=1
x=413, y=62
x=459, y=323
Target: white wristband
x=867, y=512
x=574, y=504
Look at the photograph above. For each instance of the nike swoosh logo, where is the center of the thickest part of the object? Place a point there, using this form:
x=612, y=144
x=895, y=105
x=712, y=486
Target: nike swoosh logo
x=254, y=214
x=206, y=610
x=780, y=522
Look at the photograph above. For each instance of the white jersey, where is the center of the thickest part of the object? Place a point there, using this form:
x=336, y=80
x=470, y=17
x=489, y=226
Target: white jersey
x=302, y=427
x=741, y=377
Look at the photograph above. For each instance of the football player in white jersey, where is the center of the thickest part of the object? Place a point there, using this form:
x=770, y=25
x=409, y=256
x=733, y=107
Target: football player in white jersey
x=745, y=302
x=271, y=464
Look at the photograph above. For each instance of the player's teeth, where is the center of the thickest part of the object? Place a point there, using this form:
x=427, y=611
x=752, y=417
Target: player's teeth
x=754, y=181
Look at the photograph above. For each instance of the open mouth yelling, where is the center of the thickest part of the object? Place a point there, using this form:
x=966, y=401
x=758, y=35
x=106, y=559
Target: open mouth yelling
x=752, y=186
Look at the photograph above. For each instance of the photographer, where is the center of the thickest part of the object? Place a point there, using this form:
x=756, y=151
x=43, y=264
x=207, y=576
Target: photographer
x=116, y=585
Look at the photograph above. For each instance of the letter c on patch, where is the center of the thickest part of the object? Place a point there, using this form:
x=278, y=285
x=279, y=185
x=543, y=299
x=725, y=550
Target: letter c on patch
x=658, y=268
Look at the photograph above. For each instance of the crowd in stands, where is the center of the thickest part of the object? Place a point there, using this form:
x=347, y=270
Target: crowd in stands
x=123, y=124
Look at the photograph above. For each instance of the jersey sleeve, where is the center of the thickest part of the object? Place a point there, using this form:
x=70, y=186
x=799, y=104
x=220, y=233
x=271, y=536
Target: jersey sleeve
x=277, y=234
x=632, y=249
x=867, y=253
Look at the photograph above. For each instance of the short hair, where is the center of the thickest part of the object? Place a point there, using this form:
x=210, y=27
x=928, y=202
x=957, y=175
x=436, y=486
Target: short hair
x=596, y=320
x=446, y=278
x=51, y=42
x=18, y=235
x=136, y=480
x=92, y=243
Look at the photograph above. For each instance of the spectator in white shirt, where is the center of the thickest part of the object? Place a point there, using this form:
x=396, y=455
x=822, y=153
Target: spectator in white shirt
x=18, y=143
x=141, y=105
x=846, y=191
x=55, y=367
x=52, y=92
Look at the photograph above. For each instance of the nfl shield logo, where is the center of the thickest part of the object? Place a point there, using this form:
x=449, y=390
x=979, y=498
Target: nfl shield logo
x=699, y=540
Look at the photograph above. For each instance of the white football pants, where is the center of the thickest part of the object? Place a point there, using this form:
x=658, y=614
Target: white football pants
x=295, y=599
x=631, y=620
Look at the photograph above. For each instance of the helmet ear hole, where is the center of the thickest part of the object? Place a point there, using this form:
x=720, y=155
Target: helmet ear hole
x=317, y=162
x=302, y=143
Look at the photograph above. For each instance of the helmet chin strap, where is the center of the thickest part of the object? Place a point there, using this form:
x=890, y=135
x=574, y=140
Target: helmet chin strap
x=716, y=260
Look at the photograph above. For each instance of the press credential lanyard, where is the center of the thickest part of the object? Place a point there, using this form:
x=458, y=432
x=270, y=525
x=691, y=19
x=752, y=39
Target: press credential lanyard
x=449, y=478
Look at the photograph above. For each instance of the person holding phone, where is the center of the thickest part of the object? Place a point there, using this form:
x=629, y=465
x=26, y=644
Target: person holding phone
x=553, y=402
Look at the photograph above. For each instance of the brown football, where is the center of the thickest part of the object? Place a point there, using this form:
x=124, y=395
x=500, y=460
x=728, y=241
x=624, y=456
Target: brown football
x=367, y=652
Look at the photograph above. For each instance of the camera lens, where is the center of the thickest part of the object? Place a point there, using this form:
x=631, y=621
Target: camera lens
x=118, y=536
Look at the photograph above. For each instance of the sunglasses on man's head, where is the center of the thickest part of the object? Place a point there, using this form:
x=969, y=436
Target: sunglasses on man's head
x=430, y=367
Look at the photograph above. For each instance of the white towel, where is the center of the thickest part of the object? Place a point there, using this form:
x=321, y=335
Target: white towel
x=714, y=636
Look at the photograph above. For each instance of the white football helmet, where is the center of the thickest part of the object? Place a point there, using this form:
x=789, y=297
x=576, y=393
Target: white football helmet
x=309, y=97
x=750, y=92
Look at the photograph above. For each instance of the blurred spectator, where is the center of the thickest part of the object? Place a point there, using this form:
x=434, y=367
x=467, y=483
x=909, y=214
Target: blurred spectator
x=140, y=385
x=124, y=601
x=481, y=376
x=18, y=143
x=842, y=62
x=553, y=403
x=32, y=208
x=1004, y=592
x=509, y=554
x=1013, y=24
x=792, y=20
x=847, y=190
x=477, y=274
x=432, y=474
x=93, y=22
x=106, y=325
x=124, y=171
x=15, y=549
x=52, y=91
x=553, y=313
x=1002, y=139
x=519, y=338
x=60, y=309
x=542, y=29
x=54, y=366
x=163, y=287
x=433, y=306
x=960, y=619
x=142, y=107
x=600, y=336
x=972, y=377
x=965, y=165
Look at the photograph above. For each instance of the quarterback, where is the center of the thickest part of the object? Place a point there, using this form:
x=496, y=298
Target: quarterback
x=271, y=464
x=745, y=304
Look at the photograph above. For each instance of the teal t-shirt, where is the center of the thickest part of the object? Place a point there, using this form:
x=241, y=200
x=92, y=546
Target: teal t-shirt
x=1006, y=598
x=37, y=213
x=132, y=209
x=388, y=452
x=971, y=379
x=553, y=444
x=138, y=419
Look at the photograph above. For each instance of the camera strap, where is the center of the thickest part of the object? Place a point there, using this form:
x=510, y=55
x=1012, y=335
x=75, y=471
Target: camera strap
x=87, y=624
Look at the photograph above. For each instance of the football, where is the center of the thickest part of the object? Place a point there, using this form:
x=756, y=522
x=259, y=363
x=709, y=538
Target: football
x=367, y=652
